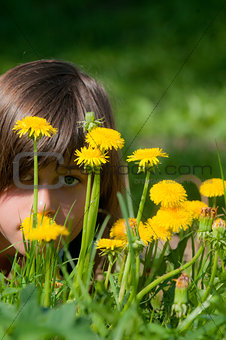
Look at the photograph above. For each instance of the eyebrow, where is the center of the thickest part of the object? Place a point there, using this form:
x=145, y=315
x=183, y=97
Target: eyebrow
x=71, y=167
x=62, y=169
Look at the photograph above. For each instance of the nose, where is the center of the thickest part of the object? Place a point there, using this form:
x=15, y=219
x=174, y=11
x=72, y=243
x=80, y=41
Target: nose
x=45, y=202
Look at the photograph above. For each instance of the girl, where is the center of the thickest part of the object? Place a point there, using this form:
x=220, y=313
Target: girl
x=62, y=94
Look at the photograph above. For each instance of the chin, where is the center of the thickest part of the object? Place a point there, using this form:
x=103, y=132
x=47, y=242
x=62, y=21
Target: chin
x=21, y=249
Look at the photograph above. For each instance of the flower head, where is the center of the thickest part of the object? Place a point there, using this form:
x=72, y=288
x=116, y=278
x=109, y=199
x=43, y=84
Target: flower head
x=35, y=127
x=146, y=157
x=182, y=281
x=107, y=245
x=119, y=231
x=145, y=234
x=212, y=187
x=174, y=218
x=194, y=207
x=158, y=230
x=169, y=193
x=90, y=156
x=207, y=217
x=46, y=230
x=104, y=138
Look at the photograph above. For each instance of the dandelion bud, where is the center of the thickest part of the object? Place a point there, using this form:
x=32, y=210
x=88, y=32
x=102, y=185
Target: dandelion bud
x=180, y=305
x=218, y=228
x=138, y=245
x=90, y=122
x=206, y=218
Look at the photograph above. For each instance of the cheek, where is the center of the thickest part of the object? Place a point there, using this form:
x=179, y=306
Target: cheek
x=77, y=212
x=13, y=209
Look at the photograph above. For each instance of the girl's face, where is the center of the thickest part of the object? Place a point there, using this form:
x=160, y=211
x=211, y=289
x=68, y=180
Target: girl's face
x=16, y=203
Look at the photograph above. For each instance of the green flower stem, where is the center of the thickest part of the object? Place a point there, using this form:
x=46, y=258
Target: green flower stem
x=143, y=199
x=122, y=268
x=193, y=254
x=152, y=262
x=92, y=219
x=125, y=278
x=201, y=264
x=30, y=264
x=137, y=268
x=81, y=260
x=93, y=210
x=90, y=223
x=129, y=198
x=209, y=270
x=108, y=271
x=159, y=260
x=167, y=276
x=211, y=278
x=86, y=211
x=35, y=199
x=147, y=262
x=47, y=285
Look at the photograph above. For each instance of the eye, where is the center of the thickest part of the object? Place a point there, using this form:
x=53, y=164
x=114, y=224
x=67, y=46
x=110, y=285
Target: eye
x=70, y=180
x=27, y=178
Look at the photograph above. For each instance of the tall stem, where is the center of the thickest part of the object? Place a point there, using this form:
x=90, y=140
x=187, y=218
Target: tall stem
x=147, y=261
x=164, y=277
x=159, y=260
x=93, y=209
x=35, y=200
x=47, y=287
x=125, y=278
x=108, y=271
x=143, y=198
x=193, y=254
x=122, y=268
x=212, y=278
x=89, y=232
x=86, y=212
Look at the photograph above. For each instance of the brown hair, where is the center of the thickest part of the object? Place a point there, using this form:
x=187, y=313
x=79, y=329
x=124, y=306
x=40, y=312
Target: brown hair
x=61, y=93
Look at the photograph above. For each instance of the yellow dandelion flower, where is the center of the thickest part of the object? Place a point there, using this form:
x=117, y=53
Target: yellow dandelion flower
x=46, y=230
x=157, y=230
x=194, y=207
x=146, y=157
x=144, y=233
x=35, y=127
x=169, y=193
x=90, y=156
x=212, y=187
x=27, y=223
x=118, y=230
x=105, y=139
x=174, y=218
x=106, y=244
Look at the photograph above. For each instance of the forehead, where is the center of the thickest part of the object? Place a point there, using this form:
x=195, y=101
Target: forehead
x=64, y=169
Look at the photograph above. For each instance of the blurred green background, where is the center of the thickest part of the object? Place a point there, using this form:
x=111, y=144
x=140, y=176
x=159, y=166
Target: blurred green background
x=161, y=62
